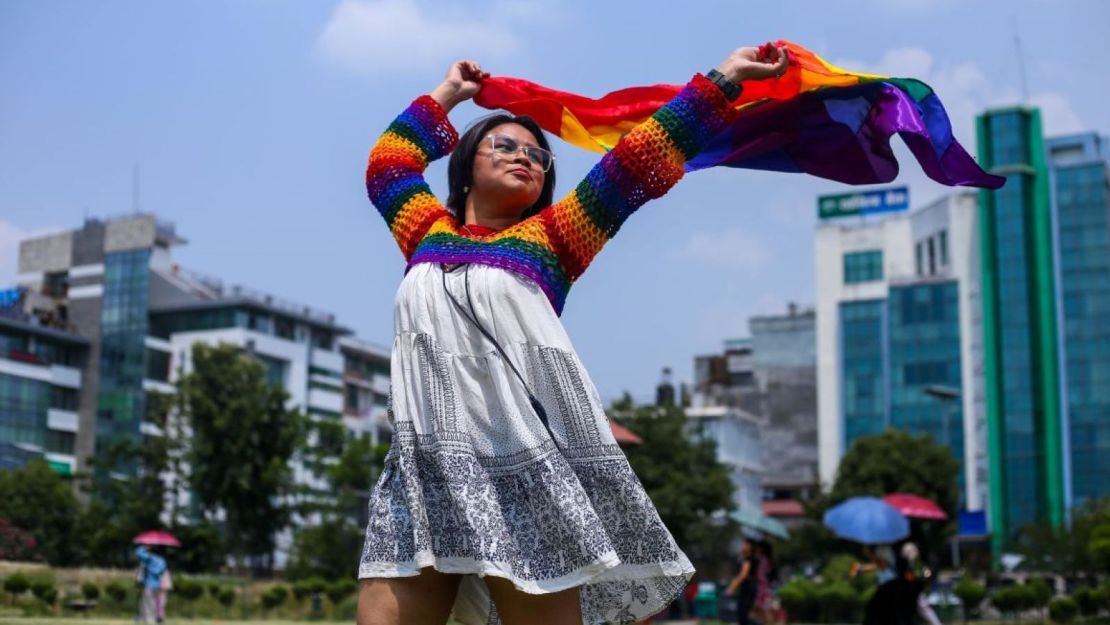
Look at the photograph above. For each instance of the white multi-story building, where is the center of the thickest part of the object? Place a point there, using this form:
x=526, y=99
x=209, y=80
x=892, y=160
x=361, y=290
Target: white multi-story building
x=898, y=342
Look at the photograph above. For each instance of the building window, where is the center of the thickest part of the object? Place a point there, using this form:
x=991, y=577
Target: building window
x=931, y=244
x=352, y=399
x=942, y=238
x=60, y=442
x=157, y=365
x=866, y=266
x=63, y=398
x=919, y=258
x=283, y=328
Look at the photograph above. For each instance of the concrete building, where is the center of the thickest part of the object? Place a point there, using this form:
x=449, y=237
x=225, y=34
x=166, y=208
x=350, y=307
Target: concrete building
x=898, y=310
x=366, y=389
x=784, y=358
x=771, y=376
x=40, y=381
x=114, y=285
x=738, y=447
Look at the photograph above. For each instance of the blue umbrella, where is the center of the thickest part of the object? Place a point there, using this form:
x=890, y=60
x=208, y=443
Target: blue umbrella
x=867, y=520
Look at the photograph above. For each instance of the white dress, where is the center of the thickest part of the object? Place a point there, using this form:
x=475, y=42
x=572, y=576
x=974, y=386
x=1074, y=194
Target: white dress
x=475, y=484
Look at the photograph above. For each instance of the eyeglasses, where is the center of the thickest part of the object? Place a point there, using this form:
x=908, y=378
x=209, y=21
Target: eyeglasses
x=508, y=146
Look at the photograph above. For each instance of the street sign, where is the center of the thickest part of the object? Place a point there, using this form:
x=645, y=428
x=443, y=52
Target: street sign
x=863, y=203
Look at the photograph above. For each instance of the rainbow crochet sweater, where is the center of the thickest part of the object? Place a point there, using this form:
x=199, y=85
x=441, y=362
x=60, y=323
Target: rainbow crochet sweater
x=553, y=247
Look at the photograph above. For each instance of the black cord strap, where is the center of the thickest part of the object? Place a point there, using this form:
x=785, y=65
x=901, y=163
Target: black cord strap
x=473, y=318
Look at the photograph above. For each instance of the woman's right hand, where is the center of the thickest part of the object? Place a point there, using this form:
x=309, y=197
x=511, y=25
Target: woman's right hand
x=463, y=81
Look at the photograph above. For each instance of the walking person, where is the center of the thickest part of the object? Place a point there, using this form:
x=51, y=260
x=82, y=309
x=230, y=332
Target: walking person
x=504, y=495
x=745, y=585
x=763, y=606
x=149, y=579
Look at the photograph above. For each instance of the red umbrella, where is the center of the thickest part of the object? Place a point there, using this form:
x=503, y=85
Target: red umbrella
x=914, y=507
x=155, y=537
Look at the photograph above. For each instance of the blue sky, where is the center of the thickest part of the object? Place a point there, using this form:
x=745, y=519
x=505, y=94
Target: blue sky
x=250, y=122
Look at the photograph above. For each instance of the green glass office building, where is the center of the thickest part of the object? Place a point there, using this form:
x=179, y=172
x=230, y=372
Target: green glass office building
x=1044, y=243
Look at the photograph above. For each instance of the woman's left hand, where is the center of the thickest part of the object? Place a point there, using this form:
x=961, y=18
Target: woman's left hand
x=751, y=63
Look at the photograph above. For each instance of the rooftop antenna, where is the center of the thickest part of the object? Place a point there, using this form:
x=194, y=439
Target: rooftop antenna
x=135, y=190
x=1021, y=62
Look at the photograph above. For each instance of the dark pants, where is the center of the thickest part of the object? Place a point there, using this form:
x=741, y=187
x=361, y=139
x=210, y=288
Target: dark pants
x=744, y=605
x=894, y=603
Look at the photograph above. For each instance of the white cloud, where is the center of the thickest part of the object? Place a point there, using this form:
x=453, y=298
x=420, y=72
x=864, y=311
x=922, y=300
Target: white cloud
x=729, y=249
x=388, y=36
x=1058, y=115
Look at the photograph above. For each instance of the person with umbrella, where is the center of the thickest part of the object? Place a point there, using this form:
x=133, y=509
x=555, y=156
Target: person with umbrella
x=154, y=575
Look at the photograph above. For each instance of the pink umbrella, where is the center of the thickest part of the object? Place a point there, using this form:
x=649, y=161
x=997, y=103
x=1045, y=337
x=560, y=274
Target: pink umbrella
x=155, y=537
x=914, y=507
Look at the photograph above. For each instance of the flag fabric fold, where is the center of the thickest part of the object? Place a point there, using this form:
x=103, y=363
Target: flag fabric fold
x=817, y=119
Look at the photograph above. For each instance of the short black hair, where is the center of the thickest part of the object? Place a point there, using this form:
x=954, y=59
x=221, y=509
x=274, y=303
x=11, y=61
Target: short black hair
x=461, y=166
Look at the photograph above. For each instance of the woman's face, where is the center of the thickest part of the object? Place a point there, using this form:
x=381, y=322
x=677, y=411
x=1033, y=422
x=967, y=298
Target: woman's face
x=506, y=183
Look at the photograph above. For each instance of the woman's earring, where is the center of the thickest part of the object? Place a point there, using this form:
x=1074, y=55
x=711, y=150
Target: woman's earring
x=466, y=189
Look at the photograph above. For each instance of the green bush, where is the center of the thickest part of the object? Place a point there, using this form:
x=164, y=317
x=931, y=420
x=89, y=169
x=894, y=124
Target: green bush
x=1016, y=598
x=48, y=596
x=273, y=597
x=188, y=589
x=1087, y=599
x=214, y=589
x=316, y=584
x=90, y=591
x=840, y=602
x=799, y=599
x=340, y=590
x=347, y=610
x=301, y=590
x=226, y=597
x=17, y=584
x=117, y=591
x=41, y=587
x=1041, y=592
x=1062, y=609
x=971, y=594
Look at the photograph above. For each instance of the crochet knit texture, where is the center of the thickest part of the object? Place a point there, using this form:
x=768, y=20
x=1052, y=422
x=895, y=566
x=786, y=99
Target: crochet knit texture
x=553, y=247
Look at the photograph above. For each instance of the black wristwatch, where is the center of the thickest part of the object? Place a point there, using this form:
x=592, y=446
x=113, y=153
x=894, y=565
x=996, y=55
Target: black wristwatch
x=730, y=89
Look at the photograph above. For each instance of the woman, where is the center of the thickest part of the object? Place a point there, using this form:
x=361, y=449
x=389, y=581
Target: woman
x=763, y=606
x=504, y=487
x=745, y=586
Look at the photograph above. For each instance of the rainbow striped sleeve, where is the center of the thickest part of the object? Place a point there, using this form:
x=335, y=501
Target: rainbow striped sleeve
x=395, y=171
x=643, y=165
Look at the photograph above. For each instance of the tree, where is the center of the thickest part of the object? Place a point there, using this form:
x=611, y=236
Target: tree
x=681, y=475
x=132, y=483
x=896, y=461
x=1068, y=550
x=243, y=440
x=336, y=543
x=1099, y=547
x=36, y=499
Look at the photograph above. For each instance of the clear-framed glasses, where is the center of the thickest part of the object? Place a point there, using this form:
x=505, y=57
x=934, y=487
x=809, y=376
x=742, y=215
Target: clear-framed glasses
x=508, y=146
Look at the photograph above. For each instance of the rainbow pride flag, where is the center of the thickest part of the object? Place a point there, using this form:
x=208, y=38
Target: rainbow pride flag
x=817, y=119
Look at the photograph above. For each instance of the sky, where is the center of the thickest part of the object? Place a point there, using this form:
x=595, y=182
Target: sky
x=249, y=122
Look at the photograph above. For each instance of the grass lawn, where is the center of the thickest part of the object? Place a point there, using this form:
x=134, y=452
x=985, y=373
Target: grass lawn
x=76, y=620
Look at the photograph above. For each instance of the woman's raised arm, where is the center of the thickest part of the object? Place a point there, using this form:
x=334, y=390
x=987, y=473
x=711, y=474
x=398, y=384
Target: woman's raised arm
x=649, y=160
x=421, y=134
